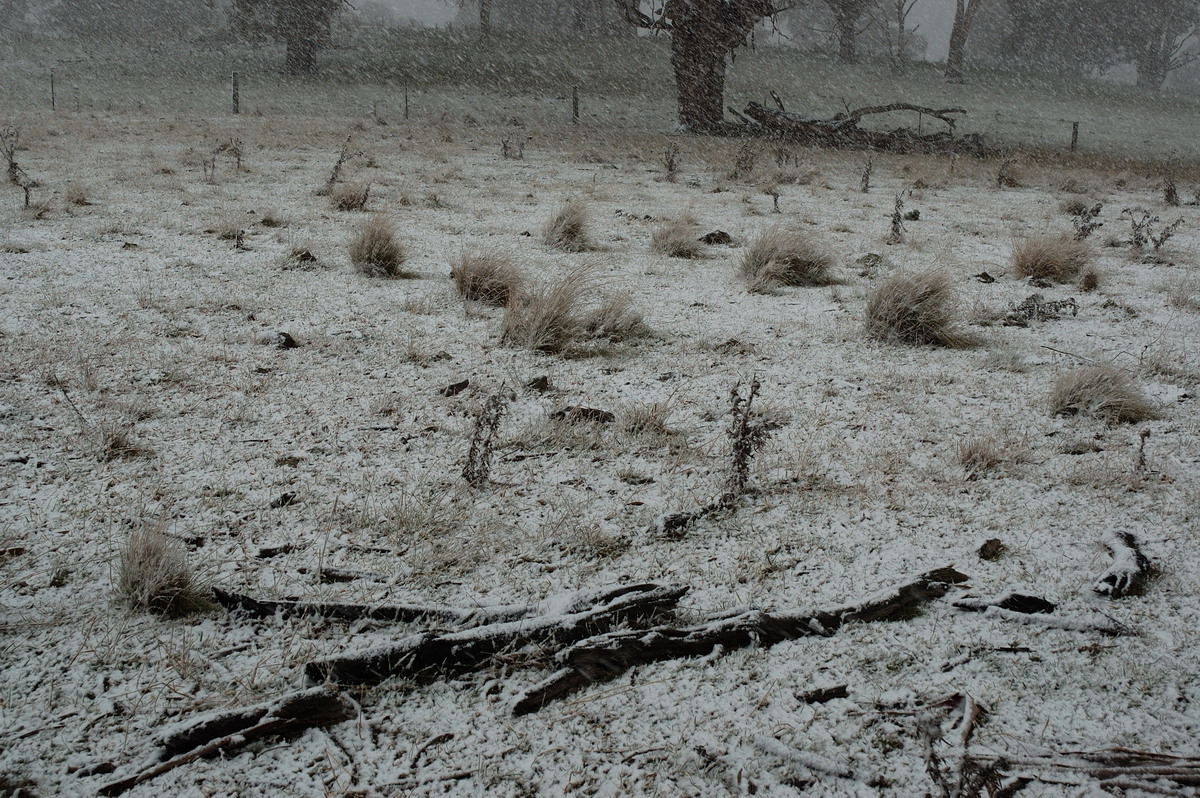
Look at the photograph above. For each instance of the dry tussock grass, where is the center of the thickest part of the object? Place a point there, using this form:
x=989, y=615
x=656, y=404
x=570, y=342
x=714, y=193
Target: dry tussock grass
x=782, y=258
x=486, y=277
x=375, y=252
x=567, y=229
x=350, y=196
x=676, y=239
x=153, y=575
x=917, y=309
x=1185, y=293
x=1051, y=257
x=562, y=315
x=1103, y=392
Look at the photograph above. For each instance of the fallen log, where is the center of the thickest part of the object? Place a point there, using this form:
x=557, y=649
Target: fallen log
x=429, y=654
x=263, y=608
x=842, y=131
x=1130, y=571
x=238, y=728
x=1114, y=768
x=607, y=655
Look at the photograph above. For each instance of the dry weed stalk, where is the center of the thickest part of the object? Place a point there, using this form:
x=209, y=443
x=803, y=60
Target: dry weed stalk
x=896, y=233
x=782, y=258
x=375, y=252
x=567, y=229
x=153, y=575
x=486, y=277
x=1085, y=220
x=1144, y=228
x=343, y=156
x=915, y=310
x=865, y=183
x=670, y=161
x=479, y=457
x=10, y=141
x=1101, y=391
x=1059, y=258
x=747, y=433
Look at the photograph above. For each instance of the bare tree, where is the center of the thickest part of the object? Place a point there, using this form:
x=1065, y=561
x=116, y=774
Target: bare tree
x=964, y=15
x=846, y=17
x=703, y=33
x=303, y=25
x=1159, y=33
x=900, y=9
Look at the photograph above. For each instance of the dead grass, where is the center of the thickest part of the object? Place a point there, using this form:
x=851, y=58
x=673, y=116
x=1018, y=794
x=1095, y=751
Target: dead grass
x=1059, y=258
x=782, y=258
x=76, y=194
x=1185, y=293
x=917, y=309
x=567, y=229
x=486, y=277
x=350, y=196
x=153, y=575
x=986, y=455
x=1103, y=392
x=375, y=252
x=676, y=239
x=560, y=315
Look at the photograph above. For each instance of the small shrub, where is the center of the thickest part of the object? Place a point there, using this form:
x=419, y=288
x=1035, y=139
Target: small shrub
x=1056, y=258
x=153, y=575
x=676, y=239
x=1103, y=392
x=778, y=258
x=918, y=309
x=375, y=252
x=1089, y=279
x=350, y=196
x=567, y=230
x=486, y=277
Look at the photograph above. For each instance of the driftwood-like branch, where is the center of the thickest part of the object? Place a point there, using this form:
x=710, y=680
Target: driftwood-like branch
x=236, y=602
x=608, y=655
x=1126, y=768
x=1130, y=569
x=428, y=654
x=843, y=132
x=227, y=731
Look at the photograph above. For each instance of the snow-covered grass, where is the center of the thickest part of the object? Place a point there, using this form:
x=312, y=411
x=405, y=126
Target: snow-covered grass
x=133, y=312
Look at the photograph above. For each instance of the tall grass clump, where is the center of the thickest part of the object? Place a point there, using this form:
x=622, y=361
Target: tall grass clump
x=1103, y=392
x=1048, y=257
x=566, y=313
x=781, y=258
x=486, y=277
x=916, y=309
x=375, y=252
x=567, y=229
x=676, y=239
x=153, y=575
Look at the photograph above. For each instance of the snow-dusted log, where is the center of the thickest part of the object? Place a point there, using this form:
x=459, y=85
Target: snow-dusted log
x=1113, y=768
x=843, y=132
x=1130, y=569
x=429, y=654
x=236, y=602
x=607, y=655
x=226, y=731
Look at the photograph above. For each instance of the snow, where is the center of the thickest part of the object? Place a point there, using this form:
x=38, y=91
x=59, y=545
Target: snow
x=859, y=491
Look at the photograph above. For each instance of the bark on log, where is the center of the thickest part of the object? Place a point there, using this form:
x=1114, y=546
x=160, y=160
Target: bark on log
x=843, y=132
x=227, y=731
x=428, y=654
x=1130, y=569
x=236, y=602
x=607, y=655
x=1117, y=767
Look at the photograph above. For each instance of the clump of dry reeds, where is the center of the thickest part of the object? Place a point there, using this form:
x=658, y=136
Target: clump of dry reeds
x=1101, y=391
x=487, y=277
x=916, y=309
x=1059, y=258
x=375, y=252
x=153, y=575
x=567, y=229
x=676, y=239
x=564, y=313
x=782, y=258
x=350, y=196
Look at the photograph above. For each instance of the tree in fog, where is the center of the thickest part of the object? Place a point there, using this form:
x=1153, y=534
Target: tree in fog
x=899, y=10
x=703, y=33
x=964, y=16
x=1157, y=37
x=847, y=24
x=303, y=25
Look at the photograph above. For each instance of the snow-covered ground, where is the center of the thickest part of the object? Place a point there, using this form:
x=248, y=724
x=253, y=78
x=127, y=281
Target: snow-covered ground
x=132, y=313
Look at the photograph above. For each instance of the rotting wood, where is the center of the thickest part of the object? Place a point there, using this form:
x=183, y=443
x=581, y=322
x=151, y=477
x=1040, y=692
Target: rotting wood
x=427, y=654
x=1130, y=569
x=236, y=602
x=608, y=655
x=238, y=728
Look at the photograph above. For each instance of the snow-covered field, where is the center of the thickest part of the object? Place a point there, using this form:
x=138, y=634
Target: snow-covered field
x=131, y=316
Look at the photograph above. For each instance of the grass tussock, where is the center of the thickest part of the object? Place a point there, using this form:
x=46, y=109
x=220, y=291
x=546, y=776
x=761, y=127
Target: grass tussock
x=77, y=195
x=567, y=229
x=676, y=239
x=1047, y=257
x=486, y=277
x=566, y=313
x=350, y=196
x=375, y=252
x=153, y=575
x=1103, y=392
x=781, y=258
x=917, y=309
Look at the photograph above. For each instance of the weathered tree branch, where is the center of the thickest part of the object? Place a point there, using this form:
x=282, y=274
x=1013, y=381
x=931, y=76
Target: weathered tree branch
x=1130, y=569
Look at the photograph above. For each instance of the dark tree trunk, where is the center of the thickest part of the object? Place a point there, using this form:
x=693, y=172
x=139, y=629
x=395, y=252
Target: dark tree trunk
x=485, y=18
x=698, y=58
x=964, y=15
x=1151, y=74
x=301, y=57
x=846, y=20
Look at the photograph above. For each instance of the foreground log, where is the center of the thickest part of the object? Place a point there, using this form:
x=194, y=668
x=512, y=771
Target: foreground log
x=1114, y=768
x=236, y=602
x=428, y=654
x=607, y=655
x=227, y=731
x=842, y=131
x=1130, y=570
